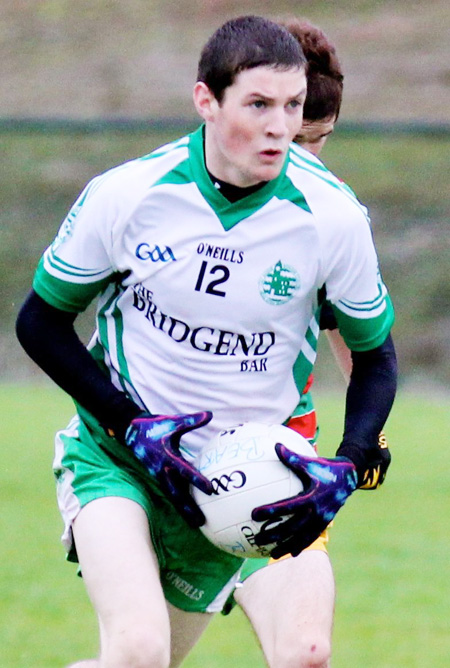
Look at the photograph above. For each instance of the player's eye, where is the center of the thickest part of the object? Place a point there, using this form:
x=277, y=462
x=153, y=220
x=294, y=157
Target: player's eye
x=259, y=104
x=294, y=104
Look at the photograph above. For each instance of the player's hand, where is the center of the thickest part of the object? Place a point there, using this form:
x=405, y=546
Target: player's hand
x=375, y=473
x=155, y=441
x=327, y=483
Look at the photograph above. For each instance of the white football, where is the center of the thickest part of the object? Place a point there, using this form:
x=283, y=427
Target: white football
x=245, y=471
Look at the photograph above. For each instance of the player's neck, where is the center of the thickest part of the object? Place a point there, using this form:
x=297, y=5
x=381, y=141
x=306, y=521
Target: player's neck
x=231, y=192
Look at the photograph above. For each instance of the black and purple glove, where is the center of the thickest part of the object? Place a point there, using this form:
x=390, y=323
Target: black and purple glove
x=155, y=441
x=294, y=523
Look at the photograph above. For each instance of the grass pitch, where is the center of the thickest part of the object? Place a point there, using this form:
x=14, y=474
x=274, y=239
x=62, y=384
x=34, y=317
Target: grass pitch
x=389, y=549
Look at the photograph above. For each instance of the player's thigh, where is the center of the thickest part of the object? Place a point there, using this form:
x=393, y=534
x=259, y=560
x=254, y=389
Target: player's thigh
x=120, y=570
x=186, y=629
x=290, y=603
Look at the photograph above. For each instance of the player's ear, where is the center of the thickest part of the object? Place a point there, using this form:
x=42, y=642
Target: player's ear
x=204, y=101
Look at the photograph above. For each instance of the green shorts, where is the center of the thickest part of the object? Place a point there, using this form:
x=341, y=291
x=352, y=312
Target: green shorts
x=195, y=575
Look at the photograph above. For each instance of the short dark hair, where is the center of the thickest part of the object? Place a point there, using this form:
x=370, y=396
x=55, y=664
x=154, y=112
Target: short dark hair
x=244, y=43
x=323, y=72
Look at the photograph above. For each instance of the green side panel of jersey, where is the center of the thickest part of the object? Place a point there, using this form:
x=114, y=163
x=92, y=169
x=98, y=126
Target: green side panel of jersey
x=123, y=364
x=311, y=338
x=304, y=363
x=72, y=297
x=361, y=334
x=98, y=351
x=116, y=330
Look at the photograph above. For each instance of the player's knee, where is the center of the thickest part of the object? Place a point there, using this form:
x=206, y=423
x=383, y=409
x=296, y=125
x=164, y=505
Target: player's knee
x=136, y=649
x=307, y=652
x=315, y=653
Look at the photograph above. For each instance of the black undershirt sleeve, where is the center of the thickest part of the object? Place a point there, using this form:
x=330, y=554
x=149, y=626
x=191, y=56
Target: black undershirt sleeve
x=48, y=336
x=327, y=318
x=370, y=395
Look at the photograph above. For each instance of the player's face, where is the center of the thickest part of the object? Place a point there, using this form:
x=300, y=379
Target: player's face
x=314, y=134
x=248, y=133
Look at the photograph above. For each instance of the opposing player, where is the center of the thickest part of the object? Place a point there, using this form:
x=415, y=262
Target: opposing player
x=320, y=113
x=206, y=258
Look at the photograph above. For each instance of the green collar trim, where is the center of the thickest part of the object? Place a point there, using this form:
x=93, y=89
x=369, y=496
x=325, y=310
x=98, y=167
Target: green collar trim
x=193, y=169
x=229, y=213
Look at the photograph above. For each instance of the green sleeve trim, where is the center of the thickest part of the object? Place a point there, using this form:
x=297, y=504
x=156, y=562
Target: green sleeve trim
x=361, y=334
x=72, y=297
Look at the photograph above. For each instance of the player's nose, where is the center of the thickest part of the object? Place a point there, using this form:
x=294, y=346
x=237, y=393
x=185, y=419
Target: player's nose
x=277, y=123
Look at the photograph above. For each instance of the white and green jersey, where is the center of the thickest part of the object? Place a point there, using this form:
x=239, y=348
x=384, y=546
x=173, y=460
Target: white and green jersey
x=205, y=304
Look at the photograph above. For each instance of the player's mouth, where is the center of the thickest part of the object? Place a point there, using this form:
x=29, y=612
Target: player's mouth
x=271, y=155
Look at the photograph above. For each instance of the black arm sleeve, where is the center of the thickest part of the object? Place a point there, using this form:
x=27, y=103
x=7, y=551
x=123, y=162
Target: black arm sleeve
x=370, y=396
x=48, y=336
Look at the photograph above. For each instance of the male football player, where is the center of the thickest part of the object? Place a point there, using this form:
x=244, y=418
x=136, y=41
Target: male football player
x=206, y=259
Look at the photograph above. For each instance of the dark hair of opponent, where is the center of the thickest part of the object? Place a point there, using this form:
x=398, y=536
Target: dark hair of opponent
x=323, y=72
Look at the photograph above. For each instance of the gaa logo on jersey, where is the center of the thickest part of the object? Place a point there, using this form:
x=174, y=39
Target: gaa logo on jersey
x=279, y=284
x=155, y=254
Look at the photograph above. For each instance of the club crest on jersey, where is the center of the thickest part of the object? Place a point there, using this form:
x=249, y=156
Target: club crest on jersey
x=279, y=284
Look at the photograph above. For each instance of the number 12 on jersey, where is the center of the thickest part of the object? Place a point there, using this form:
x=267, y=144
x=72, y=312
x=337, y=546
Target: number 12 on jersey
x=222, y=274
